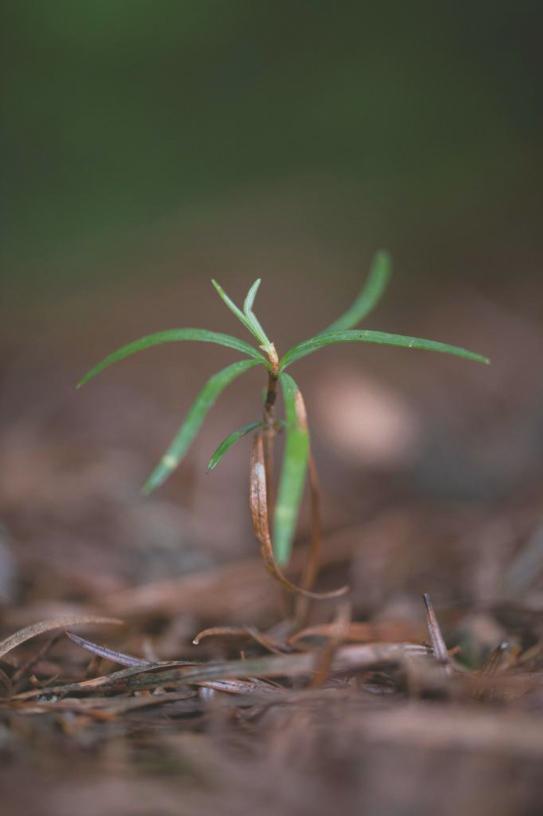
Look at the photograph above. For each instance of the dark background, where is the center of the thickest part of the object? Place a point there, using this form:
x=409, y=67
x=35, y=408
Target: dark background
x=134, y=131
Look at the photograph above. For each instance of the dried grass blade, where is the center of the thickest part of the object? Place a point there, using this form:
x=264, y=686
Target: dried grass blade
x=107, y=653
x=253, y=686
x=259, y=515
x=495, y=660
x=116, y=680
x=219, y=631
x=340, y=627
x=174, y=673
x=242, y=631
x=39, y=628
x=438, y=643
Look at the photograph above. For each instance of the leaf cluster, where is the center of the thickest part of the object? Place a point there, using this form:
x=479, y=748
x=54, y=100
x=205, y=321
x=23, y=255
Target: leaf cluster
x=294, y=468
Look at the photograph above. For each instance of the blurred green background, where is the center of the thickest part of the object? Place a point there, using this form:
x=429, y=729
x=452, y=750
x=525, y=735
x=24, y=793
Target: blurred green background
x=133, y=130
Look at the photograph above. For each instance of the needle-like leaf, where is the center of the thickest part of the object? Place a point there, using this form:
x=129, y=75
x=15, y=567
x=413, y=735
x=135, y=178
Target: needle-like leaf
x=381, y=338
x=231, y=440
x=231, y=305
x=251, y=294
x=369, y=296
x=196, y=415
x=293, y=472
x=253, y=319
x=246, y=317
x=173, y=336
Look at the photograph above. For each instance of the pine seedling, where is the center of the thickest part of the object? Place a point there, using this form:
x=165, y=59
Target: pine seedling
x=274, y=521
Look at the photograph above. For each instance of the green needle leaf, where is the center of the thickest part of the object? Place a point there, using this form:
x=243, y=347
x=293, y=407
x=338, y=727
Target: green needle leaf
x=231, y=440
x=370, y=294
x=293, y=472
x=247, y=317
x=250, y=298
x=381, y=338
x=193, y=421
x=231, y=305
x=173, y=336
x=250, y=315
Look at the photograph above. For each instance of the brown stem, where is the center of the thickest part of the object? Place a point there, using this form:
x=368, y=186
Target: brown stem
x=267, y=440
x=258, y=497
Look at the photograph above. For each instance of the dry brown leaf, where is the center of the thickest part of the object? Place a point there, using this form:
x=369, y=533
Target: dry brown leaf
x=438, y=644
x=174, y=673
x=259, y=515
x=268, y=643
x=39, y=628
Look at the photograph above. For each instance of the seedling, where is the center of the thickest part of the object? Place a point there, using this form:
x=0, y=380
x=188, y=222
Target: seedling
x=274, y=521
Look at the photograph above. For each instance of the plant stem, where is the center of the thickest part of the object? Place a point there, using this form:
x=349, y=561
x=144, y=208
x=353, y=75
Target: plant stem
x=269, y=432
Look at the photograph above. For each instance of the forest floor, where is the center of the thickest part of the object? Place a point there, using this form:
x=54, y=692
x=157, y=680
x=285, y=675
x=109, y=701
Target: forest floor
x=422, y=693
